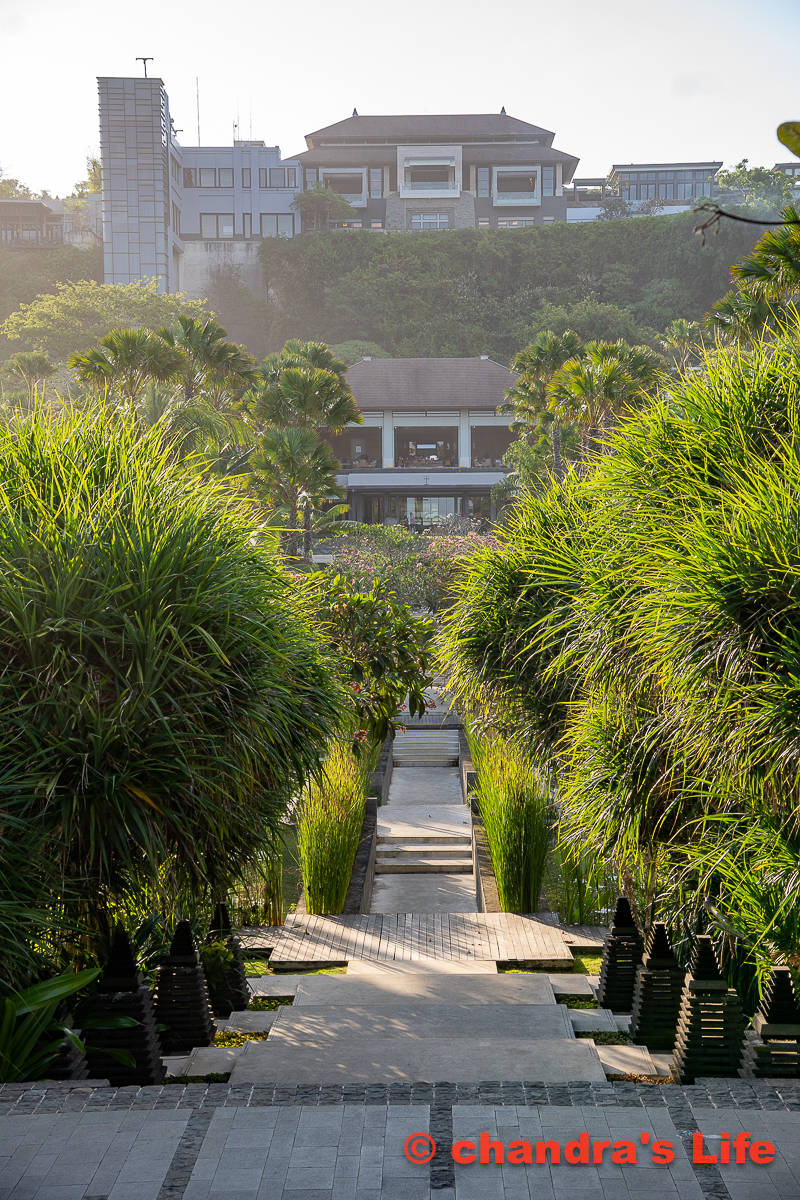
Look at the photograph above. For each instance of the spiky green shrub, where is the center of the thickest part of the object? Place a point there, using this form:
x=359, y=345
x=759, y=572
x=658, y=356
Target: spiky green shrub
x=329, y=819
x=517, y=814
x=161, y=694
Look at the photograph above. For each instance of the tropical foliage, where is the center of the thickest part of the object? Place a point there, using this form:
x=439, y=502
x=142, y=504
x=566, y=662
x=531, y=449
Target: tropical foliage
x=329, y=819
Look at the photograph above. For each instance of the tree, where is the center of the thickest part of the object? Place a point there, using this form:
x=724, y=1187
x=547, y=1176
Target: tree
x=355, y=350
x=756, y=184
x=85, y=311
x=681, y=339
x=166, y=694
x=93, y=182
x=319, y=206
x=291, y=465
x=772, y=271
x=30, y=369
x=613, y=208
x=208, y=361
x=527, y=401
x=742, y=317
x=125, y=362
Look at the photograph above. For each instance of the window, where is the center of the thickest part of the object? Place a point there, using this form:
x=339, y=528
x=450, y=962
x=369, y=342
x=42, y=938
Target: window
x=311, y=178
x=216, y=225
x=247, y=224
x=376, y=225
x=515, y=222
x=291, y=176
x=376, y=182
x=245, y=177
x=174, y=168
x=226, y=177
x=483, y=222
x=522, y=184
x=277, y=177
x=277, y=225
x=351, y=224
x=480, y=506
x=483, y=182
x=208, y=177
x=665, y=191
x=262, y=177
x=430, y=220
x=189, y=177
x=176, y=219
x=666, y=174
x=345, y=185
x=548, y=181
x=423, y=510
x=428, y=447
x=647, y=191
x=546, y=220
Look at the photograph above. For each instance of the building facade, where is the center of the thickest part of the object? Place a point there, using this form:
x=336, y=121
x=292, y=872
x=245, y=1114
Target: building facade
x=25, y=224
x=432, y=442
x=441, y=172
x=178, y=213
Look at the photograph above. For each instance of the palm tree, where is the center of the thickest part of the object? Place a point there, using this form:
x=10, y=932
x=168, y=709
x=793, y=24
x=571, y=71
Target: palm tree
x=742, y=317
x=291, y=468
x=305, y=385
x=186, y=423
x=127, y=360
x=209, y=361
x=681, y=340
x=31, y=369
x=527, y=400
x=773, y=268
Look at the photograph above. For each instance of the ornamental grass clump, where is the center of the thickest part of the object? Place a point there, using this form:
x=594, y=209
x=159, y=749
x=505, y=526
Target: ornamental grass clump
x=329, y=819
x=517, y=815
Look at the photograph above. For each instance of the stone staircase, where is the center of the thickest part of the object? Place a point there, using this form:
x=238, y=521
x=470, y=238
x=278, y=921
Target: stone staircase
x=424, y=855
x=426, y=747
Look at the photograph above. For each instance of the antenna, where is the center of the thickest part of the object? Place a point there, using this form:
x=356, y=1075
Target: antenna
x=144, y=62
x=251, y=118
x=197, y=85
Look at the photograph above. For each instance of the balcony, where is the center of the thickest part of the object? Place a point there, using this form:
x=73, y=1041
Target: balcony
x=517, y=198
x=430, y=189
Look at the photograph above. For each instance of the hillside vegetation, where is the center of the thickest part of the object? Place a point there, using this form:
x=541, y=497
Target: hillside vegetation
x=458, y=293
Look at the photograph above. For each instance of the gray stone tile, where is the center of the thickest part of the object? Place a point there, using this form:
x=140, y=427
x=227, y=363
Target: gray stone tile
x=144, y=1190
x=301, y=1178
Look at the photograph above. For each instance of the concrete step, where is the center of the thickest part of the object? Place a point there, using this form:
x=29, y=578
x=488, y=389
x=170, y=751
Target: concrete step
x=428, y=748
x=384, y=1059
x=415, y=843
x=422, y=865
x=420, y=986
x=311, y=1024
x=591, y=1020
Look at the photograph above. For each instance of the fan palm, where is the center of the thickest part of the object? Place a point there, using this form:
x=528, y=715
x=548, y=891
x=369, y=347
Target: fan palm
x=773, y=268
x=31, y=369
x=125, y=361
x=291, y=466
x=681, y=340
x=742, y=317
x=527, y=400
x=208, y=361
x=305, y=385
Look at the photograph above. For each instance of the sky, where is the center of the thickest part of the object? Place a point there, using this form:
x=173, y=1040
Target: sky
x=616, y=80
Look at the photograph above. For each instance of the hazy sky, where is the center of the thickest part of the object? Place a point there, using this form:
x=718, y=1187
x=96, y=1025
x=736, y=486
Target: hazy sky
x=617, y=80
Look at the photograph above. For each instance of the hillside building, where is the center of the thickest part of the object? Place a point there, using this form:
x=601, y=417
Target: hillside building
x=432, y=441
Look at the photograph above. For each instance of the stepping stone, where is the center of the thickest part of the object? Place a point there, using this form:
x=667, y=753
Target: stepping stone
x=626, y=1060
x=275, y=986
x=422, y=966
x=591, y=1019
x=208, y=1060
x=315, y=1024
x=571, y=985
x=248, y=1022
x=384, y=1059
x=176, y=1063
x=424, y=988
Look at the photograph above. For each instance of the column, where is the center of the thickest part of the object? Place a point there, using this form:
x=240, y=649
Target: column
x=464, y=439
x=388, y=439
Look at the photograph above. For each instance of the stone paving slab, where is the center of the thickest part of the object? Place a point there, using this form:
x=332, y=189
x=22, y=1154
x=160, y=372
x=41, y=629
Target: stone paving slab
x=626, y=1060
x=425, y=988
x=384, y=1059
x=296, y=1025
x=584, y=1019
x=423, y=966
x=435, y=893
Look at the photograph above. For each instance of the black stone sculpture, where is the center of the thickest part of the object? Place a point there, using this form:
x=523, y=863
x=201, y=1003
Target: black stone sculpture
x=622, y=954
x=710, y=1023
x=657, y=994
x=181, y=999
x=229, y=993
x=773, y=1049
x=121, y=993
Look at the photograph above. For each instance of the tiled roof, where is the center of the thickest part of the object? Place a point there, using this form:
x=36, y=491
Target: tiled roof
x=438, y=127
x=413, y=384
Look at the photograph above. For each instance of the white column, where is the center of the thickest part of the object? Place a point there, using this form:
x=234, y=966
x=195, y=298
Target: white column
x=388, y=439
x=559, y=179
x=464, y=439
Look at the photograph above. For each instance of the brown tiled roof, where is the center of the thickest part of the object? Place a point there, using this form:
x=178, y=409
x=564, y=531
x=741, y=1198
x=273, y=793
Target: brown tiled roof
x=409, y=384
x=436, y=127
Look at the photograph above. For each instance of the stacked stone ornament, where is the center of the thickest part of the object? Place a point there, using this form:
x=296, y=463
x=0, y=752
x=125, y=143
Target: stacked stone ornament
x=773, y=1050
x=181, y=998
x=657, y=994
x=231, y=993
x=710, y=1024
x=622, y=954
x=121, y=993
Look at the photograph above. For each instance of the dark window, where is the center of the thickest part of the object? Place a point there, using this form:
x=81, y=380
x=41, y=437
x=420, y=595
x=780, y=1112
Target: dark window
x=226, y=177
x=548, y=180
x=377, y=225
x=245, y=177
x=483, y=181
x=430, y=220
x=429, y=448
x=277, y=177
x=480, y=507
x=519, y=184
x=357, y=447
x=189, y=177
x=376, y=183
x=346, y=185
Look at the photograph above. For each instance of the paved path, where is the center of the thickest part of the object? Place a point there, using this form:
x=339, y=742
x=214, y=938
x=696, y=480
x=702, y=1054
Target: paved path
x=268, y=1143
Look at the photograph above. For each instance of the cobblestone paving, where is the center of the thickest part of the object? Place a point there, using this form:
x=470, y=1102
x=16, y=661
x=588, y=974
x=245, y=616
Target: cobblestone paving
x=260, y=1142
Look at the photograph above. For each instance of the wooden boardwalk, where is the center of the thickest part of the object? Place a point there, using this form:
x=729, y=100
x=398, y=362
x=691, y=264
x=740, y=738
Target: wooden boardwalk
x=534, y=938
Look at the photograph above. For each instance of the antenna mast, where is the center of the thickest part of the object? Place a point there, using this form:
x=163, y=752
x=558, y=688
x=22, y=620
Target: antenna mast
x=197, y=85
x=144, y=61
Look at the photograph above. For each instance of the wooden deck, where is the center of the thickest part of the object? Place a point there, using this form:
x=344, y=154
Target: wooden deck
x=533, y=939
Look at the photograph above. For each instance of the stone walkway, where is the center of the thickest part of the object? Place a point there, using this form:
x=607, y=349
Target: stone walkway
x=67, y=1142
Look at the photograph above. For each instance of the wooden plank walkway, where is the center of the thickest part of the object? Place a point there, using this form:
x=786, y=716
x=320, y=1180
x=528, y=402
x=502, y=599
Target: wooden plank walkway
x=534, y=938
